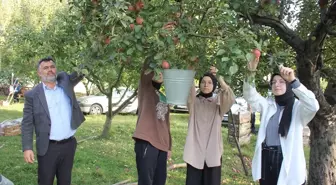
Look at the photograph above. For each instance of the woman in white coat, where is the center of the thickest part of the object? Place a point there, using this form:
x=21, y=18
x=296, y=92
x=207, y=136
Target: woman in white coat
x=279, y=156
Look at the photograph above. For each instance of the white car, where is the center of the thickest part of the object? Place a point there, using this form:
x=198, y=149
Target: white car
x=98, y=104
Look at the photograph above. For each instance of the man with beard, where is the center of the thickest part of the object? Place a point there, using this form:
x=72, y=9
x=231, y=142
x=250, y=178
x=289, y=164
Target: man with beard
x=52, y=110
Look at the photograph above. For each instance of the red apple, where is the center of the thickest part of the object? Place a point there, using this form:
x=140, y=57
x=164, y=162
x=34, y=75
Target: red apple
x=95, y=2
x=107, y=40
x=131, y=8
x=139, y=5
x=165, y=64
x=132, y=26
x=139, y=20
x=256, y=53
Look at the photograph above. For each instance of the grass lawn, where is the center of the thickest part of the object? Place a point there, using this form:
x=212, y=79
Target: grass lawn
x=111, y=160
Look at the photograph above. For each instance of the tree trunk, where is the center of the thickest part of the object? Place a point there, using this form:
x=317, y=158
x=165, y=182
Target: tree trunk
x=109, y=117
x=107, y=125
x=322, y=162
x=330, y=92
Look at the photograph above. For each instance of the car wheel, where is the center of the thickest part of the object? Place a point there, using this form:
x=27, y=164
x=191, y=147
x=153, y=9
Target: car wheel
x=96, y=109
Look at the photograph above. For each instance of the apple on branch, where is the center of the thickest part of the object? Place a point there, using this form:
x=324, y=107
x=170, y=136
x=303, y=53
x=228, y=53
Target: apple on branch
x=165, y=64
x=107, y=40
x=132, y=26
x=131, y=8
x=139, y=20
x=139, y=5
x=257, y=53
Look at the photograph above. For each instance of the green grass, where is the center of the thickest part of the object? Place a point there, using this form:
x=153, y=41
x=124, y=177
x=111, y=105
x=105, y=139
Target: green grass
x=111, y=160
x=3, y=97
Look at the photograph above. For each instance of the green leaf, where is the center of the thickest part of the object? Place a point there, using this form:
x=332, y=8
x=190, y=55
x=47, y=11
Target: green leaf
x=220, y=52
x=130, y=51
x=138, y=36
x=182, y=39
x=124, y=24
x=233, y=69
x=161, y=43
x=249, y=57
x=158, y=24
x=236, y=6
x=137, y=28
x=158, y=56
x=237, y=51
x=148, y=71
x=152, y=65
x=127, y=42
x=210, y=10
x=225, y=59
x=191, y=42
x=139, y=47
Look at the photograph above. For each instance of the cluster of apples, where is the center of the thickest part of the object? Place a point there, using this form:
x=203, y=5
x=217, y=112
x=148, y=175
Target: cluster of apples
x=137, y=8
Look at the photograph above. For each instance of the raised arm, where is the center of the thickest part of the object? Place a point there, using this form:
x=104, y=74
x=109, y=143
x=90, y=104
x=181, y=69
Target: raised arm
x=226, y=97
x=308, y=105
x=191, y=98
x=76, y=77
x=249, y=91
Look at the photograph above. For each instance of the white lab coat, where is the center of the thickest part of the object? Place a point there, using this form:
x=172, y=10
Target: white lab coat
x=293, y=168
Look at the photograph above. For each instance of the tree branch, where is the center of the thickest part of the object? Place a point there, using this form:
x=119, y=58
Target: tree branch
x=326, y=60
x=122, y=97
x=327, y=21
x=125, y=103
x=284, y=32
x=119, y=76
x=331, y=32
x=98, y=84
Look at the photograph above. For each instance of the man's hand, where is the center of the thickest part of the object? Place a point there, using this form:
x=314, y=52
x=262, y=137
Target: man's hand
x=287, y=73
x=29, y=156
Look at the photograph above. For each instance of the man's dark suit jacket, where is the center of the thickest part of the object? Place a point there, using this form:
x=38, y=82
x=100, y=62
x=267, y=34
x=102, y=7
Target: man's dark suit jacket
x=36, y=113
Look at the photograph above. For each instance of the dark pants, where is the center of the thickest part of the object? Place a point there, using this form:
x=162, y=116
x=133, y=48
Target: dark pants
x=16, y=97
x=151, y=164
x=253, y=121
x=57, y=161
x=271, y=165
x=206, y=176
